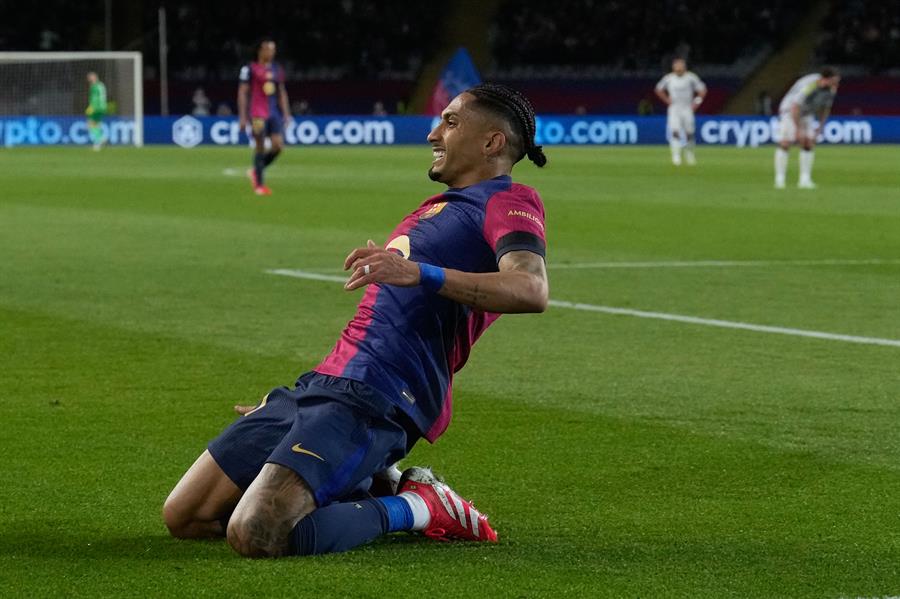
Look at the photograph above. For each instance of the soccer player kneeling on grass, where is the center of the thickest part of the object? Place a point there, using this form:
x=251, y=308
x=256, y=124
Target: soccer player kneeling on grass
x=811, y=95
x=290, y=476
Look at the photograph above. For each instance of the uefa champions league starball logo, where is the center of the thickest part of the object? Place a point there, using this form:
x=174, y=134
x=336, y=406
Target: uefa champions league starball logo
x=187, y=132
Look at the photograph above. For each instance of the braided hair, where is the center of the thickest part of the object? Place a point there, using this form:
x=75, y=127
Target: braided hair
x=515, y=108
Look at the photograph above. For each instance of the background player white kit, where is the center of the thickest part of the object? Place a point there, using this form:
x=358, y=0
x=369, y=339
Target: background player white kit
x=811, y=96
x=685, y=92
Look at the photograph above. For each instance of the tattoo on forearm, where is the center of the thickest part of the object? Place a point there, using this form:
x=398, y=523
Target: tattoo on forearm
x=475, y=297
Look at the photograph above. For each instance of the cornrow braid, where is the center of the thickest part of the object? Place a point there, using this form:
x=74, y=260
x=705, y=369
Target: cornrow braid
x=516, y=108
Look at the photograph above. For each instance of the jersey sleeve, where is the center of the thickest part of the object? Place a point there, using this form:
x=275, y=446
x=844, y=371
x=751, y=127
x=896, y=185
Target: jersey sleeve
x=514, y=220
x=662, y=83
x=244, y=75
x=699, y=86
x=803, y=88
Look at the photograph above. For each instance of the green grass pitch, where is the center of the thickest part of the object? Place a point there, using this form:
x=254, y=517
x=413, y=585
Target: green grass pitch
x=617, y=456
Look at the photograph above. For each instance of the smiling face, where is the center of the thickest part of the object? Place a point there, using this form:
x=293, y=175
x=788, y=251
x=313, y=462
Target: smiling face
x=467, y=145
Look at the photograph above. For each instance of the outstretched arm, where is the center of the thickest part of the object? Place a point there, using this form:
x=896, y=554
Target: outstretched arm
x=520, y=285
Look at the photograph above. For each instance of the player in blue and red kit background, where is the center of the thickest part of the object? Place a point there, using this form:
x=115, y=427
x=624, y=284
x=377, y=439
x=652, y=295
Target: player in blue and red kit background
x=263, y=102
x=287, y=478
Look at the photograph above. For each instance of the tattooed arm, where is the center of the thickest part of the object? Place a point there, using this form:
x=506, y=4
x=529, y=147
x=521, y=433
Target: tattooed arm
x=520, y=286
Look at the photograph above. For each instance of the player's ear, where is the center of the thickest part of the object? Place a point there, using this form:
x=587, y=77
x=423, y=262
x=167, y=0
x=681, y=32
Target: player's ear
x=495, y=143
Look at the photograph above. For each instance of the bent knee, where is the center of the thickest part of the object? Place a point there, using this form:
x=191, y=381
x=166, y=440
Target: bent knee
x=179, y=519
x=250, y=536
x=184, y=523
x=175, y=518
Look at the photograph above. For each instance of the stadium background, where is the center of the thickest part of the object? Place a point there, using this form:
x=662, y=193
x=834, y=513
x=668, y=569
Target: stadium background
x=577, y=57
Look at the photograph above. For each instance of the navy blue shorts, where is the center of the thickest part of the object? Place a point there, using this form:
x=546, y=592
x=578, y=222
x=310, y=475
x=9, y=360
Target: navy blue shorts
x=268, y=127
x=335, y=433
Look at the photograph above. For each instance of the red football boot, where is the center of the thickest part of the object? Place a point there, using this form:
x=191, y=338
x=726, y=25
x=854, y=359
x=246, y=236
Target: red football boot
x=262, y=190
x=452, y=517
x=251, y=174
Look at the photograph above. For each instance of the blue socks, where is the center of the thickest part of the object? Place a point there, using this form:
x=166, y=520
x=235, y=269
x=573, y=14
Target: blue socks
x=399, y=514
x=259, y=164
x=342, y=526
x=261, y=161
x=269, y=158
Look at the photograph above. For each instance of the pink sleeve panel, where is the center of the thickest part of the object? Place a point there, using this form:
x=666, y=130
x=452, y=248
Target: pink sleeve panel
x=514, y=220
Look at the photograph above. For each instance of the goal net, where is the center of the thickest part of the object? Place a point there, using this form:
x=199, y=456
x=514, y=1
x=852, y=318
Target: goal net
x=48, y=85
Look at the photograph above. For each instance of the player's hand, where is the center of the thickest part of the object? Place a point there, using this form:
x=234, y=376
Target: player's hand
x=89, y=110
x=244, y=410
x=373, y=264
x=242, y=124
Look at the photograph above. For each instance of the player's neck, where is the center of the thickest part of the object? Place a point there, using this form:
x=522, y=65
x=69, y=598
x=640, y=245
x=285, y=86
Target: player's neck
x=489, y=171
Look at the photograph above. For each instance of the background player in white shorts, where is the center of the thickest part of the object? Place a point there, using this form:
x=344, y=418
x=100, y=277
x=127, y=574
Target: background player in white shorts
x=683, y=92
x=811, y=95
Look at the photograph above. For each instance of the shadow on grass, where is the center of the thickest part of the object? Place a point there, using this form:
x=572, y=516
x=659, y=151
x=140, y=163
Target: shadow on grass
x=55, y=541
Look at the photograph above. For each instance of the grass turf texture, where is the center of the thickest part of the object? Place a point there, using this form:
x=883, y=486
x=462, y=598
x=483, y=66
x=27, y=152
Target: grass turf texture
x=617, y=456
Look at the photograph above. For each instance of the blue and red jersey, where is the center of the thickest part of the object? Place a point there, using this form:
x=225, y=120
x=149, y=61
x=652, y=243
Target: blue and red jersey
x=266, y=81
x=407, y=342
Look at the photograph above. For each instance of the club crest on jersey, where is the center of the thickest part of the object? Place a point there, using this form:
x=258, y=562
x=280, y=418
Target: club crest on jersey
x=433, y=211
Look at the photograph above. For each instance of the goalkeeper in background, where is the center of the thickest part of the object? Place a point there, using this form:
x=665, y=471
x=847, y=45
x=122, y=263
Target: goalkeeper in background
x=96, y=109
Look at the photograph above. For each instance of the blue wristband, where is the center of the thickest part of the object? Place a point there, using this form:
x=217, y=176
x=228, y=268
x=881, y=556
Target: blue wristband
x=431, y=277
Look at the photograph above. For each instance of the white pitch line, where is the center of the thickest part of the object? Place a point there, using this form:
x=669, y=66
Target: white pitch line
x=305, y=274
x=705, y=264
x=726, y=324
x=710, y=322
x=723, y=263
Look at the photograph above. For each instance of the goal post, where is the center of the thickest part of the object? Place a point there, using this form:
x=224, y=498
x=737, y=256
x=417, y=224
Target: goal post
x=54, y=85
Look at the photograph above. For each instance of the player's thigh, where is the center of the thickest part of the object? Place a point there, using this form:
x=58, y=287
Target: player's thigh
x=688, y=121
x=204, y=494
x=277, y=140
x=673, y=126
x=330, y=453
x=275, y=132
x=244, y=447
x=258, y=127
x=787, y=130
x=336, y=448
x=808, y=129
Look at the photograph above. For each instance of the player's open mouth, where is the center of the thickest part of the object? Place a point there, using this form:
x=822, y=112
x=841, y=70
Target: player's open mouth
x=438, y=154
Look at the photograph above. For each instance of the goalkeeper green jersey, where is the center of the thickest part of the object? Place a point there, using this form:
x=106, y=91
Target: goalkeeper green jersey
x=97, y=98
